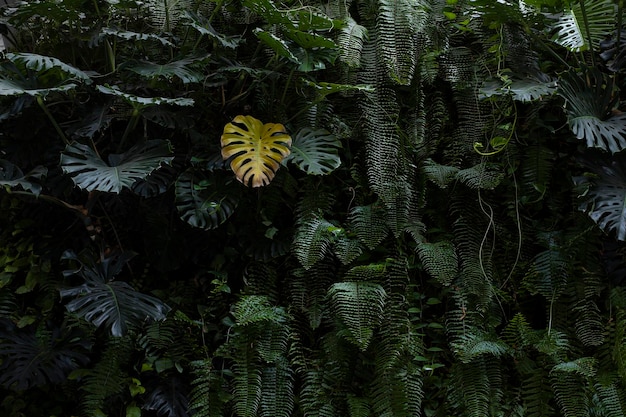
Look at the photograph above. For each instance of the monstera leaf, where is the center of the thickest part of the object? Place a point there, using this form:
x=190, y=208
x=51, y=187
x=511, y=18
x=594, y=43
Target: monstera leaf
x=90, y=172
x=605, y=193
x=256, y=148
x=205, y=201
x=12, y=176
x=577, y=27
x=34, y=357
x=102, y=300
x=589, y=100
x=315, y=151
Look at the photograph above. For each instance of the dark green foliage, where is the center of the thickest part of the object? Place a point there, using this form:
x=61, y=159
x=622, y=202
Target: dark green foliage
x=439, y=241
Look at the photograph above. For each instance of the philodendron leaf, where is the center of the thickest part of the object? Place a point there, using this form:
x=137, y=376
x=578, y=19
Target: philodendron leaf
x=179, y=69
x=203, y=26
x=605, y=194
x=42, y=63
x=10, y=87
x=572, y=32
x=12, y=176
x=315, y=151
x=277, y=44
x=256, y=149
x=590, y=98
x=205, y=201
x=144, y=101
x=104, y=301
x=91, y=173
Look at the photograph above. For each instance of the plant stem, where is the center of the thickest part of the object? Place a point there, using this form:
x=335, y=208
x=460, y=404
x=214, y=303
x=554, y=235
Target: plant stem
x=282, y=98
x=586, y=23
x=132, y=123
x=43, y=106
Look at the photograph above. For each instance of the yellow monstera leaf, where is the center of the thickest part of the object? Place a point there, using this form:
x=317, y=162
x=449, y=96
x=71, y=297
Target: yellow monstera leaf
x=256, y=148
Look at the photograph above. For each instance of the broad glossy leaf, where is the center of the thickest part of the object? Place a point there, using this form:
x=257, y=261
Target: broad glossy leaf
x=524, y=90
x=277, y=44
x=179, y=69
x=571, y=32
x=589, y=100
x=309, y=40
x=31, y=357
x=144, y=101
x=315, y=151
x=12, y=176
x=205, y=201
x=203, y=26
x=135, y=36
x=104, y=301
x=43, y=63
x=10, y=87
x=257, y=149
x=605, y=197
x=324, y=88
x=90, y=172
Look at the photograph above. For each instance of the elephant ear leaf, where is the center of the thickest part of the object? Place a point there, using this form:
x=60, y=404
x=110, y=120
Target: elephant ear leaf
x=605, y=194
x=256, y=149
x=91, y=173
x=102, y=300
x=315, y=151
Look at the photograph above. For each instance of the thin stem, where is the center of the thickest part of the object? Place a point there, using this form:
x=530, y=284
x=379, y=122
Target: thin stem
x=282, y=98
x=132, y=123
x=43, y=106
x=586, y=23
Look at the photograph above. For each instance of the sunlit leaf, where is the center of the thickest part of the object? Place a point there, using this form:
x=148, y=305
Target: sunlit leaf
x=144, y=101
x=256, y=149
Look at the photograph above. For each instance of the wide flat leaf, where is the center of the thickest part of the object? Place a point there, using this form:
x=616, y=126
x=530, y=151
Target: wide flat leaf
x=203, y=26
x=43, y=63
x=589, y=100
x=570, y=29
x=144, y=101
x=179, y=69
x=12, y=176
x=280, y=46
x=91, y=173
x=32, y=357
x=256, y=149
x=10, y=87
x=205, y=201
x=315, y=151
x=605, y=194
x=104, y=301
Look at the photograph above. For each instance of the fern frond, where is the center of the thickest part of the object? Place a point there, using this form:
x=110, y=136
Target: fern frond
x=537, y=393
x=350, y=40
x=359, y=305
x=485, y=176
x=207, y=397
x=368, y=223
x=308, y=289
x=107, y=378
x=252, y=309
x=313, y=241
x=439, y=260
x=570, y=390
x=277, y=396
x=470, y=388
x=247, y=382
x=442, y=175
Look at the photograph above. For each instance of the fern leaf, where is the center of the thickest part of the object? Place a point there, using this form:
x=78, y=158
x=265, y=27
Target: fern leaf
x=439, y=260
x=368, y=223
x=359, y=305
x=207, y=397
x=313, y=241
x=350, y=40
x=277, y=396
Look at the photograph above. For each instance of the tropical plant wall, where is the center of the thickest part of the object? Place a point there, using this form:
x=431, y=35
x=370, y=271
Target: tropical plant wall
x=312, y=208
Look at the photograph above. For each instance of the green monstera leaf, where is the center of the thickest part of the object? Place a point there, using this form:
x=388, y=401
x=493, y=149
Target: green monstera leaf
x=315, y=151
x=605, y=193
x=106, y=301
x=581, y=29
x=257, y=149
x=589, y=103
x=205, y=201
x=91, y=173
x=11, y=176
